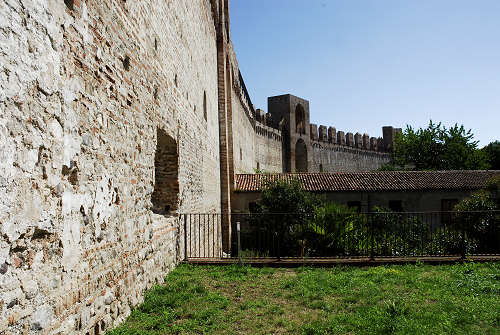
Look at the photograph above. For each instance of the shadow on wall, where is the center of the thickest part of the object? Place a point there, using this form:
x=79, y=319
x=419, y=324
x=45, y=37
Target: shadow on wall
x=166, y=187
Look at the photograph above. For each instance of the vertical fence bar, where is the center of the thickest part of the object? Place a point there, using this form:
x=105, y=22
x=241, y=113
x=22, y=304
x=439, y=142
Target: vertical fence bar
x=215, y=220
x=463, y=242
x=190, y=235
x=213, y=235
x=278, y=235
x=185, y=239
x=239, y=242
x=199, y=233
x=372, y=239
x=205, y=238
x=219, y=235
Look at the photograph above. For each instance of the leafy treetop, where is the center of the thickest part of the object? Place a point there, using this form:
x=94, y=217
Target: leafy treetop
x=492, y=150
x=438, y=148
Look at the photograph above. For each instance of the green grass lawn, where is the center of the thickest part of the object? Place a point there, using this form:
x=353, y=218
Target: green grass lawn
x=410, y=299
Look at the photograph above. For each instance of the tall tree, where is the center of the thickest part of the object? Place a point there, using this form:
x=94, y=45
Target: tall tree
x=492, y=150
x=438, y=148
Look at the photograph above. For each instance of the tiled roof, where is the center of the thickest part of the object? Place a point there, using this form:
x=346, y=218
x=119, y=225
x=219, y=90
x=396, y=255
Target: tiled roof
x=373, y=181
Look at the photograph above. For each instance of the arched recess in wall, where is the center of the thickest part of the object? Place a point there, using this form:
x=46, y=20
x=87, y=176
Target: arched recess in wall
x=300, y=156
x=300, y=119
x=166, y=179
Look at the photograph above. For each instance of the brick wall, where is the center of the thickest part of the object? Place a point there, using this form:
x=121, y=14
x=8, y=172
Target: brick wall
x=268, y=148
x=83, y=91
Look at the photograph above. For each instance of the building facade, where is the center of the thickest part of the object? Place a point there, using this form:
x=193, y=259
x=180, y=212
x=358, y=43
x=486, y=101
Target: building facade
x=398, y=191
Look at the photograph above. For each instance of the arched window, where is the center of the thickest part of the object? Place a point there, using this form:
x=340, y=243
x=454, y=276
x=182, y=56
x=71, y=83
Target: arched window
x=300, y=119
x=300, y=156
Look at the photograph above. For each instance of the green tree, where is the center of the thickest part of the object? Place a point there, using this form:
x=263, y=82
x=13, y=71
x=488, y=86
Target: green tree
x=282, y=213
x=492, y=151
x=286, y=197
x=438, y=148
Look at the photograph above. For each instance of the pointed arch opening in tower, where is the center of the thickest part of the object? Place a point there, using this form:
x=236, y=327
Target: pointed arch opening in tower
x=300, y=156
x=300, y=119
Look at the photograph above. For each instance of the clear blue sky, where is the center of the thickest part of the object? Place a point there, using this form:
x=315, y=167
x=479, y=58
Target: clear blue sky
x=363, y=64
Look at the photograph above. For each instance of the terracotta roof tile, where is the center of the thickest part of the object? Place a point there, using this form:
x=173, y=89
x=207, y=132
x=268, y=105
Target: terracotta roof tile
x=373, y=181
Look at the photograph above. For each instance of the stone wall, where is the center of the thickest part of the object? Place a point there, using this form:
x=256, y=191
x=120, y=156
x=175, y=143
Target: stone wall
x=84, y=87
x=268, y=148
x=327, y=157
x=257, y=143
x=243, y=138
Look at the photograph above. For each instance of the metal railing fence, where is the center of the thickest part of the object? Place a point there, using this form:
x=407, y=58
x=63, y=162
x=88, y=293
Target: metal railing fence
x=343, y=235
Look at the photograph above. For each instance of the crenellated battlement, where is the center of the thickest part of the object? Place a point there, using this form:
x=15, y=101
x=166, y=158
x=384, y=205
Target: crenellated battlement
x=264, y=130
x=308, y=147
x=359, y=141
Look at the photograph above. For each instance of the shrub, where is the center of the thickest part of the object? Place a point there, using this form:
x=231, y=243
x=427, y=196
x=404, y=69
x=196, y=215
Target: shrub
x=286, y=197
x=281, y=215
x=336, y=230
x=476, y=219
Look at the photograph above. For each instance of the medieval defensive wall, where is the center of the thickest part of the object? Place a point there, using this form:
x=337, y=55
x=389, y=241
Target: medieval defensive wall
x=116, y=116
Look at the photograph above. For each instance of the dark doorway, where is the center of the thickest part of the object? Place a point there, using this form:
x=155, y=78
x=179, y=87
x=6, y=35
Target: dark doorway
x=300, y=156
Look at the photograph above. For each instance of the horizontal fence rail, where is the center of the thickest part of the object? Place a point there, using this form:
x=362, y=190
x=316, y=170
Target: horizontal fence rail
x=341, y=235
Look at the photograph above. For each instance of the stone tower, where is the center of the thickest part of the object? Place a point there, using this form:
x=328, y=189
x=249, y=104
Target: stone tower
x=291, y=114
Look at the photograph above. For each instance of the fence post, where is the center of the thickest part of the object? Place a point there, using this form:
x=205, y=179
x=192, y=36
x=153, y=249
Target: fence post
x=463, y=246
x=372, y=238
x=185, y=238
x=278, y=242
x=239, y=242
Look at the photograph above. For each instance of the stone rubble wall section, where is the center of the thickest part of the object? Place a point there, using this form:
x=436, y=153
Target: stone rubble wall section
x=82, y=93
x=268, y=148
x=340, y=158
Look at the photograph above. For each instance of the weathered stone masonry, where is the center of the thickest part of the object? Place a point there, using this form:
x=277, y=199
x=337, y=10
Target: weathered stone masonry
x=85, y=87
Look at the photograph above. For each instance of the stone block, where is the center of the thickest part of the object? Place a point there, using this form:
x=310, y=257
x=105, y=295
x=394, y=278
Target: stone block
x=341, y=138
x=332, y=135
x=358, y=141
x=373, y=143
x=388, y=134
x=380, y=144
x=323, y=133
x=314, y=132
x=349, y=140
x=366, y=141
